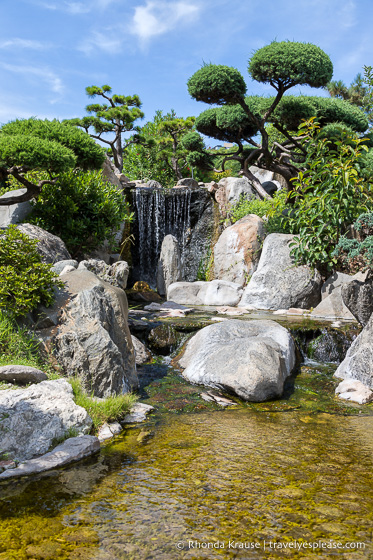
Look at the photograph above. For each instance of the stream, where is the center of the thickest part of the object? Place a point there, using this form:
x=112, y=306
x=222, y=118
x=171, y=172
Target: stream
x=290, y=478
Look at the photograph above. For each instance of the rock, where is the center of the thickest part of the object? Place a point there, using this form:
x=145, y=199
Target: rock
x=110, y=173
x=333, y=307
x=230, y=191
x=250, y=359
x=21, y=374
x=278, y=283
x=89, y=334
x=115, y=274
x=14, y=213
x=51, y=248
x=263, y=175
x=212, y=187
x=169, y=264
x=107, y=431
x=154, y=184
x=67, y=269
x=164, y=339
x=271, y=187
x=32, y=418
x=216, y=292
x=59, y=266
x=352, y=390
x=237, y=252
x=138, y=413
x=142, y=354
x=335, y=280
x=357, y=296
x=358, y=363
x=71, y=450
x=187, y=182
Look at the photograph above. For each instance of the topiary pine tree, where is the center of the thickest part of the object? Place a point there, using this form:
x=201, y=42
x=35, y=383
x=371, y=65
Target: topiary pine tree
x=42, y=145
x=240, y=119
x=117, y=116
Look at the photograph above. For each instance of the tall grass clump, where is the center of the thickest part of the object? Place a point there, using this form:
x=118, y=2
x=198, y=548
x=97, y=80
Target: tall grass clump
x=110, y=409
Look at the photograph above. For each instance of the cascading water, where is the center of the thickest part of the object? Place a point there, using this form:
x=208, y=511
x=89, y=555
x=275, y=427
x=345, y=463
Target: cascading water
x=158, y=213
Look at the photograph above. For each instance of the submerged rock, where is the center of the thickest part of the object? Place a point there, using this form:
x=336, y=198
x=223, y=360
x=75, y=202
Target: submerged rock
x=250, y=359
x=164, y=339
x=32, y=418
x=277, y=282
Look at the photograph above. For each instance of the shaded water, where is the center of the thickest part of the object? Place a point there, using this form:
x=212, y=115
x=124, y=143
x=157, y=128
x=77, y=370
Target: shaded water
x=214, y=477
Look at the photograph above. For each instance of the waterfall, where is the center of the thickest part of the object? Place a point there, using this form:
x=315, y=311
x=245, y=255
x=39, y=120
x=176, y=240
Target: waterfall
x=158, y=213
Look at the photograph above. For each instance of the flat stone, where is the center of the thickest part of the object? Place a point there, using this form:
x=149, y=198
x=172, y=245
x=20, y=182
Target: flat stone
x=295, y=311
x=355, y=391
x=107, y=431
x=332, y=307
x=138, y=413
x=71, y=450
x=22, y=374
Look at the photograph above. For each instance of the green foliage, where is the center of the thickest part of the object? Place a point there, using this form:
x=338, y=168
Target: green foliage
x=357, y=254
x=271, y=210
x=214, y=83
x=116, y=115
x=228, y=123
x=44, y=140
x=289, y=63
x=110, y=409
x=358, y=93
x=82, y=208
x=328, y=196
x=329, y=110
x=25, y=280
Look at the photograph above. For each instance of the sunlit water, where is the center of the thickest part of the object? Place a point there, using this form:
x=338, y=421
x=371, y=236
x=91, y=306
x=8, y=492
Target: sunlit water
x=205, y=479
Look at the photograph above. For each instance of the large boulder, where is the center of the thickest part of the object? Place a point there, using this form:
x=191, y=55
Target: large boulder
x=357, y=296
x=14, y=213
x=51, y=248
x=115, y=274
x=231, y=190
x=169, y=264
x=32, y=419
x=216, y=292
x=250, y=359
x=358, y=363
x=237, y=251
x=278, y=283
x=87, y=331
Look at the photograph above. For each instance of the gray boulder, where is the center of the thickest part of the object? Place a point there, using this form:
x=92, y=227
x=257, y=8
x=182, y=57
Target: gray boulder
x=278, y=283
x=142, y=354
x=32, y=418
x=51, y=248
x=115, y=274
x=358, y=363
x=236, y=187
x=59, y=266
x=22, y=374
x=169, y=264
x=333, y=282
x=187, y=182
x=250, y=359
x=216, y=292
x=87, y=331
x=357, y=296
x=154, y=184
x=14, y=213
x=332, y=307
x=237, y=251
x=71, y=450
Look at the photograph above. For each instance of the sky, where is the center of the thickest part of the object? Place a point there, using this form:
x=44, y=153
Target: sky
x=51, y=50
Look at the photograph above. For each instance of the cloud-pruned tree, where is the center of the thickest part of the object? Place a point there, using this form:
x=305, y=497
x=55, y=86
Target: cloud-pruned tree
x=243, y=120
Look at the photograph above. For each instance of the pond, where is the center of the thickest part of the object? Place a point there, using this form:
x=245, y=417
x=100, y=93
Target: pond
x=252, y=481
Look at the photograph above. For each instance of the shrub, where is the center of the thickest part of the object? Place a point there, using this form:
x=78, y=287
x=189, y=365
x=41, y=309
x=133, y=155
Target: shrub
x=83, y=209
x=25, y=280
x=272, y=210
x=354, y=254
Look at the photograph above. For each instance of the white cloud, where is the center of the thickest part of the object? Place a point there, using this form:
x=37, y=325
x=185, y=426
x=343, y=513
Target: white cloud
x=157, y=18
x=29, y=44
x=48, y=76
x=75, y=7
x=109, y=42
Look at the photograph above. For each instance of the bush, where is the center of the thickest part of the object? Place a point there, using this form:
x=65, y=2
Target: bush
x=353, y=254
x=83, y=209
x=272, y=210
x=25, y=280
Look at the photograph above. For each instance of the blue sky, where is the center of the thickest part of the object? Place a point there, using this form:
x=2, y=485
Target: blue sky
x=50, y=50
